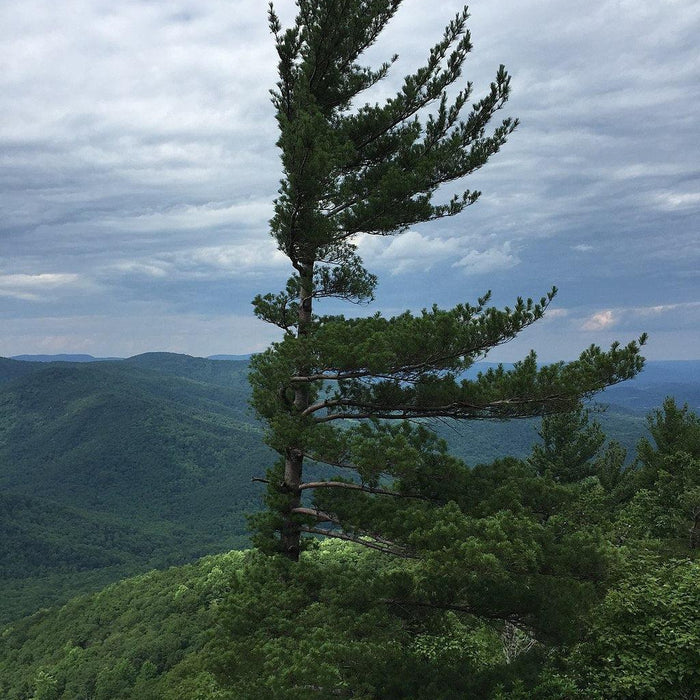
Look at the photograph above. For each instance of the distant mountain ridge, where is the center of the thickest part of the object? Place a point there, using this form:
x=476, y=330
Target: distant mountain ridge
x=675, y=373
x=63, y=357
x=659, y=379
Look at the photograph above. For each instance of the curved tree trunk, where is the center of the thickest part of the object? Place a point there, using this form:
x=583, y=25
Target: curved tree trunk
x=294, y=454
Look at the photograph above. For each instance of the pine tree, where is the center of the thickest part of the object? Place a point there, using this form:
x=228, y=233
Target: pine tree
x=668, y=474
x=351, y=393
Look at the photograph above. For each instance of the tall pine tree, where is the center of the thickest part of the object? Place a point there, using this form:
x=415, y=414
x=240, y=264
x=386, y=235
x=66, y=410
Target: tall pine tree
x=348, y=392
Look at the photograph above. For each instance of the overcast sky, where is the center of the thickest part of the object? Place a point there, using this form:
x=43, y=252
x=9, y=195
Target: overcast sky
x=138, y=170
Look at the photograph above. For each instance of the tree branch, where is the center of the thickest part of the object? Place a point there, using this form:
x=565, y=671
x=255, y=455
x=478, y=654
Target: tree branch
x=320, y=515
x=397, y=552
x=358, y=487
x=486, y=410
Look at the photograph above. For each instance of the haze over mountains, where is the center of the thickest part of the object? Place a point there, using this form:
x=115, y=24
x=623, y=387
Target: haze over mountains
x=680, y=378
x=112, y=467
x=63, y=357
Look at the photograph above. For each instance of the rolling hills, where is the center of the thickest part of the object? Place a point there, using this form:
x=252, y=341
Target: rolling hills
x=111, y=468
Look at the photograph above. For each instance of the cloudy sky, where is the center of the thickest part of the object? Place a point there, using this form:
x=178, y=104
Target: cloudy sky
x=138, y=170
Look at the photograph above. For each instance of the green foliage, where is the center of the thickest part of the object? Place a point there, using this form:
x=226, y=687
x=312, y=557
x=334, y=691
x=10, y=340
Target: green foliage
x=12, y=369
x=136, y=639
x=324, y=628
x=326, y=388
x=643, y=642
x=667, y=504
x=372, y=169
x=515, y=547
x=111, y=468
x=673, y=430
x=78, y=508
x=569, y=443
x=245, y=626
x=522, y=591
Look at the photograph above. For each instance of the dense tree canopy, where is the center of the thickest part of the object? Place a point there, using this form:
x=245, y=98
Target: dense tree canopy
x=592, y=616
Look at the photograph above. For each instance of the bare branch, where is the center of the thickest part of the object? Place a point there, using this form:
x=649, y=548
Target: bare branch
x=397, y=552
x=320, y=515
x=358, y=487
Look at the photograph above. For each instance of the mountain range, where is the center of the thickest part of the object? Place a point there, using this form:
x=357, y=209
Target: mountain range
x=113, y=467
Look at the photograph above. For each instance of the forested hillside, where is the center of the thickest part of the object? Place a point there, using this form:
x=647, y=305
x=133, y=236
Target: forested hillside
x=111, y=468
x=596, y=559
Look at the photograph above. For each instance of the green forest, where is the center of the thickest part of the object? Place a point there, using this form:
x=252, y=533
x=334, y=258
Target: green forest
x=109, y=469
x=382, y=513
x=577, y=578
x=161, y=472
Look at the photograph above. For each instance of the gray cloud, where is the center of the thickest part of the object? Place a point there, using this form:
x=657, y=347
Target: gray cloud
x=138, y=168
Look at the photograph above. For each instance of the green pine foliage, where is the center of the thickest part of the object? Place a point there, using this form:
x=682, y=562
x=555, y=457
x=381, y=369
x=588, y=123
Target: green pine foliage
x=666, y=505
x=348, y=393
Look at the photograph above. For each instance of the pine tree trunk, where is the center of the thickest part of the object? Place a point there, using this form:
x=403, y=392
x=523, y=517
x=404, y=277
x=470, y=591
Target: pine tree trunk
x=291, y=535
x=294, y=454
x=694, y=541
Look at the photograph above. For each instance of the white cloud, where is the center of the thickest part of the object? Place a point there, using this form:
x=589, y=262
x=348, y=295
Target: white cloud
x=35, y=287
x=157, y=269
x=681, y=316
x=407, y=252
x=670, y=201
x=193, y=217
x=654, y=319
x=656, y=309
x=413, y=251
x=599, y=321
x=40, y=281
x=651, y=169
x=238, y=259
x=554, y=314
x=479, y=262
x=666, y=308
x=205, y=263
